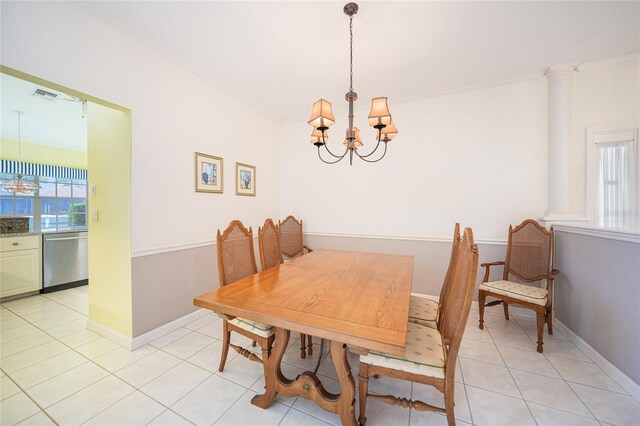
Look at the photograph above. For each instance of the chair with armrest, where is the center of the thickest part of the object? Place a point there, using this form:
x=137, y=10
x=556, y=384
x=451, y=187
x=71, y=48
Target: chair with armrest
x=529, y=258
x=426, y=311
x=291, y=237
x=236, y=260
x=270, y=256
x=430, y=355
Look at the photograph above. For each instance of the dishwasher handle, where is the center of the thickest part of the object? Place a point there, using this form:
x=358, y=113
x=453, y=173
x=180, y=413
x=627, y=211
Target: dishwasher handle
x=66, y=238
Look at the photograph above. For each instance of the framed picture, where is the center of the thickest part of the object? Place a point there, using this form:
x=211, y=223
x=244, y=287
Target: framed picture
x=245, y=179
x=208, y=173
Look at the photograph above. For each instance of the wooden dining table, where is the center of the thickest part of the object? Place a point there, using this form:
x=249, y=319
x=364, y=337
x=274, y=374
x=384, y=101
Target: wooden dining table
x=357, y=301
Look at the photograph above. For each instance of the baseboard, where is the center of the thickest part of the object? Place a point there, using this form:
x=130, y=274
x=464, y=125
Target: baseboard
x=622, y=379
x=156, y=333
x=141, y=340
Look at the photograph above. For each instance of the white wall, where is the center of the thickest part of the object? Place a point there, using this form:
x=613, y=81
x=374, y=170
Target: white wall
x=174, y=113
x=478, y=157
x=602, y=96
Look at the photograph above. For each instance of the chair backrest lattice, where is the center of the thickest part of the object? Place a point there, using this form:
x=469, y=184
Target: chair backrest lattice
x=529, y=252
x=454, y=251
x=455, y=310
x=236, y=257
x=269, y=244
x=291, y=237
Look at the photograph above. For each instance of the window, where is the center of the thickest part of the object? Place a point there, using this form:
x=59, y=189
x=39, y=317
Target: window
x=613, y=158
x=58, y=204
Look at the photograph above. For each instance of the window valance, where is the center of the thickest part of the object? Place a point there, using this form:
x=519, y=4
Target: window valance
x=9, y=166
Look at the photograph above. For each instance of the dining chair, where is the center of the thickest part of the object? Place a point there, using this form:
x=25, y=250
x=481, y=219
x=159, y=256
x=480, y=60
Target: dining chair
x=430, y=354
x=529, y=258
x=425, y=311
x=270, y=256
x=292, y=245
x=236, y=260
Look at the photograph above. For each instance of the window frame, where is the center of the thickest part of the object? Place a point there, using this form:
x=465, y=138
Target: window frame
x=594, y=134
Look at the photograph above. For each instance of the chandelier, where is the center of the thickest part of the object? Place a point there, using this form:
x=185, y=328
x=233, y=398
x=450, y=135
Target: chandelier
x=379, y=117
x=19, y=185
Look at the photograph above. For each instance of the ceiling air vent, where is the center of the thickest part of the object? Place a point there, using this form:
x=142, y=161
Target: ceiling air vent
x=43, y=94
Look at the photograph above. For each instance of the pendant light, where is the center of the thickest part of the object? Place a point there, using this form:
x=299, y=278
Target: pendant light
x=19, y=185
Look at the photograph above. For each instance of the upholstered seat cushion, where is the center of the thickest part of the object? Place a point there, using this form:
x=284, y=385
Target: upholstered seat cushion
x=424, y=353
x=423, y=311
x=258, y=328
x=526, y=293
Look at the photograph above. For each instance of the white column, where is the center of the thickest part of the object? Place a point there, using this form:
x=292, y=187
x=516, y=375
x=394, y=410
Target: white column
x=559, y=141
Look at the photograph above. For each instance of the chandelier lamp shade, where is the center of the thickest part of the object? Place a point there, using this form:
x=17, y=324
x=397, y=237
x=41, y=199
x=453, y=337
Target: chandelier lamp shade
x=19, y=185
x=380, y=119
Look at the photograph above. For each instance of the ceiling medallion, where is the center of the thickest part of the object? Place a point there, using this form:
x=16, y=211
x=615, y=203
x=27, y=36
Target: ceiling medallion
x=379, y=117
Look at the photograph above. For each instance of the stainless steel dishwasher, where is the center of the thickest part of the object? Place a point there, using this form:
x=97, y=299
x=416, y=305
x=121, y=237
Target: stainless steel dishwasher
x=65, y=260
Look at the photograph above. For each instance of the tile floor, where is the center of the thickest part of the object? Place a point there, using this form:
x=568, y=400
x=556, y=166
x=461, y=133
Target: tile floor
x=54, y=371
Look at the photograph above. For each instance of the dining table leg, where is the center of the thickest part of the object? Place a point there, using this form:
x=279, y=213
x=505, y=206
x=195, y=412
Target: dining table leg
x=307, y=384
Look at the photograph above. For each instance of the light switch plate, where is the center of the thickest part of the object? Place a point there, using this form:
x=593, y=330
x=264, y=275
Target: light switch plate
x=95, y=216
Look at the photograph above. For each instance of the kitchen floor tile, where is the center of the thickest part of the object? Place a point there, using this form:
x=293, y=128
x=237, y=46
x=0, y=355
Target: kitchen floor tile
x=512, y=338
x=169, y=418
x=40, y=419
x=68, y=328
x=488, y=376
x=209, y=357
x=245, y=413
x=59, y=387
x=32, y=356
x=175, y=383
x=311, y=408
x=45, y=370
x=242, y=371
x=480, y=351
x=23, y=343
x=585, y=373
x=170, y=337
x=297, y=418
x=135, y=409
x=79, y=338
x=554, y=393
x=547, y=416
x=609, y=407
x=201, y=322
x=88, y=402
x=206, y=403
x=19, y=332
x=530, y=361
x=212, y=329
x=122, y=357
x=148, y=368
x=493, y=409
x=17, y=408
x=188, y=345
x=7, y=387
x=97, y=347
x=564, y=349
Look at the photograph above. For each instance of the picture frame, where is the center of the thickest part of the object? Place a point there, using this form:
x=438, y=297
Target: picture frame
x=245, y=179
x=208, y=173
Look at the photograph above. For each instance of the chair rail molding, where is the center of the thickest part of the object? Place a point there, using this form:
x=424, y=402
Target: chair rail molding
x=599, y=232
x=400, y=238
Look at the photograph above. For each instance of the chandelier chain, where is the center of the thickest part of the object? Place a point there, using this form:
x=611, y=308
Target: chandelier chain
x=351, y=54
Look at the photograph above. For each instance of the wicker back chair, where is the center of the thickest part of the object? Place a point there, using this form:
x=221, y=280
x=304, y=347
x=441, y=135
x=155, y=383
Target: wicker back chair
x=269, y=244
x=430, y=355
x=425, y=311
x=291, y=237
x=529, y=258
x=237, y=260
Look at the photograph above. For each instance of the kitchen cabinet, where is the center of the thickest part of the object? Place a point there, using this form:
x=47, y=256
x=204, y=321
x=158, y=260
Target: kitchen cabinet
x=20, y=265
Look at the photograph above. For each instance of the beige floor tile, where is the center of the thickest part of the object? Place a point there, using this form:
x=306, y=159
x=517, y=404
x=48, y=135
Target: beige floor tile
x=205, y=404
x=201, y=322
x=245, y=413
x=50, y=311
x=242, y=371
x=90, y=401
x=389, y=386
x=175, y=383
x=209, y=357
x=18, y=332
x=65, y=384
x=40, y=419
x=122, y=357
x=170, y=337
x=512, y=338
x=32, y=356
x=7, y=387
x=311, y=408
x=79, y=338
x=564, y=349
x=212, y=329
x=480, y=351
x=381, y=414
x=550, y=392
x=530, y=361
x=80, y=307
x=493, y=409
x=22, y=344
x=16, y=408
x=547, y=416
x=474, y=333
x=62, y=319
x=489, y=376
x=585, y=373
x=297, y=418
x=420, y=418
x=432, y=396
x=68, y=328
x=609, y=407
x=12, y=323
x=45, y=370
x=97, y=348
x=169, y=418
x=188, y=345
x=148, y=368
x=135, y=409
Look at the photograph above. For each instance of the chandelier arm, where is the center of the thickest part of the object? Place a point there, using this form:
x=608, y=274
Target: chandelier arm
x=334, y=155
x=331, y=162
x=363, y=158
x=375, y=149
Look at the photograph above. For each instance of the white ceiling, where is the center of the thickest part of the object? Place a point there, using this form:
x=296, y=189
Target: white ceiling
x=57, y=123
x=282, y=56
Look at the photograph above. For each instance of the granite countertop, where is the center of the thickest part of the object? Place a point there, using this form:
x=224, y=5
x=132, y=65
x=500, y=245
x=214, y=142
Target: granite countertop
x=27, y=234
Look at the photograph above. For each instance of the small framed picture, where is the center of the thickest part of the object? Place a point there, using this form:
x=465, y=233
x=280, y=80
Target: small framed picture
x=245, y=179
x=208, y=173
